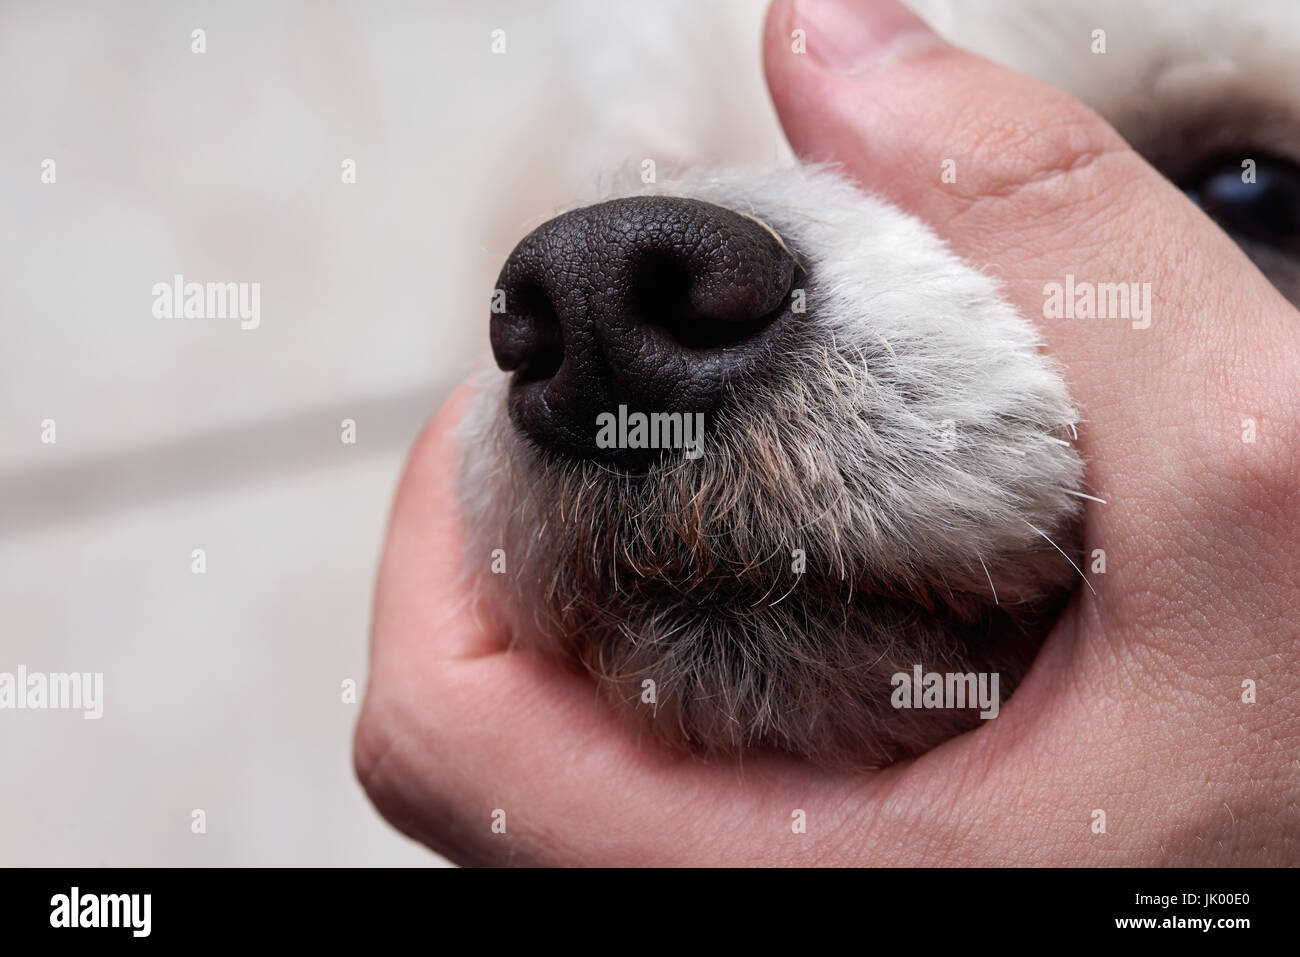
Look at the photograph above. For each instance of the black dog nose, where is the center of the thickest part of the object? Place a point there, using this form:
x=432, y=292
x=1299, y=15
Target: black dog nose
x=652, y=303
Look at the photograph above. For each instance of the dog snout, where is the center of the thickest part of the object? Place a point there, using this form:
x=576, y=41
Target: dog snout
x=645, y=304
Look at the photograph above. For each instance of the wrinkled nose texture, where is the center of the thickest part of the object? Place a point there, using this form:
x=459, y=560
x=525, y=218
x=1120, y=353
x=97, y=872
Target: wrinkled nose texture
x=656, y=303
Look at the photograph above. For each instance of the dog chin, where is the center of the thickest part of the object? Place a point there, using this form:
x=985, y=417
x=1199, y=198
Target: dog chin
x=895, y=494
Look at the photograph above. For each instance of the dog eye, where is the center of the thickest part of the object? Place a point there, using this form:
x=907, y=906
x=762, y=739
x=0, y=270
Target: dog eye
x=1266, y=210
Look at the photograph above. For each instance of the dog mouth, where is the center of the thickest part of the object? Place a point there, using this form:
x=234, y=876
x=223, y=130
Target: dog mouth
x=746, y=593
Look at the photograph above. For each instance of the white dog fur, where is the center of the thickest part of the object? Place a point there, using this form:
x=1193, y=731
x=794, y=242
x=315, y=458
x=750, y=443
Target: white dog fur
x=914, y=450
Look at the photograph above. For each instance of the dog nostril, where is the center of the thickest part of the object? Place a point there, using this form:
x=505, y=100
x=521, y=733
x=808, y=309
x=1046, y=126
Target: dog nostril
x=527, y=340
x=664, y=293
x=546, y=345
x=542, y=365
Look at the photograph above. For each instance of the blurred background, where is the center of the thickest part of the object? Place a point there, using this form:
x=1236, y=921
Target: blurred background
x=224, y=691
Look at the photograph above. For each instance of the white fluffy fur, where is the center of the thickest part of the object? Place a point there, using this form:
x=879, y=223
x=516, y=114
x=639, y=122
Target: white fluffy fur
x=915, y=446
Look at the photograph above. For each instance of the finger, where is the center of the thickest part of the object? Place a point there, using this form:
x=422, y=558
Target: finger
x=423, y=610
x=498, y=772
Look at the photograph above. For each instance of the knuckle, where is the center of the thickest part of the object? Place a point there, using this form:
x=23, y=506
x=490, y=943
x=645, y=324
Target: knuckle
x=1045, y=154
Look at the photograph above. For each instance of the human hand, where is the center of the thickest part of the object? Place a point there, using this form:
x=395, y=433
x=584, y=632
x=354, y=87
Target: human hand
x=1135, y=704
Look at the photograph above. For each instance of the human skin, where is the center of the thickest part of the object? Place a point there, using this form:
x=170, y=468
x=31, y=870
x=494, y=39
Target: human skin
x=1135, y=704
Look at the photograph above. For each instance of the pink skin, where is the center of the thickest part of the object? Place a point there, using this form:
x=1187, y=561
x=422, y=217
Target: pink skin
x=1134, y=705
